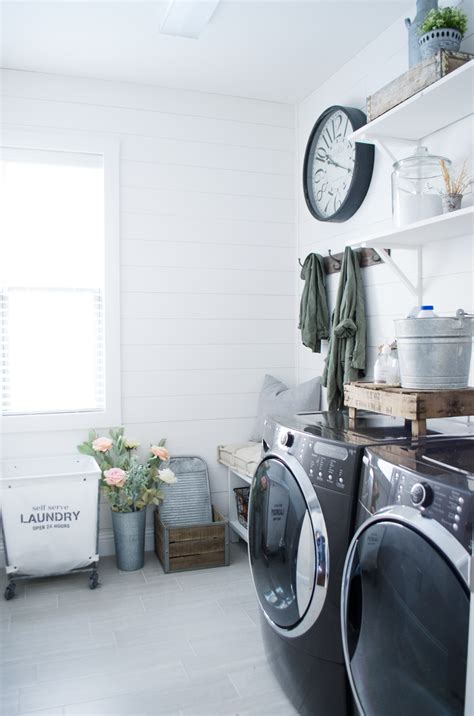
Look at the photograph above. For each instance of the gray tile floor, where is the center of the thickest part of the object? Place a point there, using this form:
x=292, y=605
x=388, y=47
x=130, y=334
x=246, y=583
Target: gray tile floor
x=145, y=643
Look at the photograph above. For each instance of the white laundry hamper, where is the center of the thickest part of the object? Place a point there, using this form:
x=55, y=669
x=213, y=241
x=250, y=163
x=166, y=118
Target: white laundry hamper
x=50, y=517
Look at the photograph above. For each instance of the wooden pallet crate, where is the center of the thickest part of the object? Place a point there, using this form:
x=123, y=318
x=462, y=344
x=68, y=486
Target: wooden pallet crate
x=194, y=546
x=416, y=79
x=415, y=406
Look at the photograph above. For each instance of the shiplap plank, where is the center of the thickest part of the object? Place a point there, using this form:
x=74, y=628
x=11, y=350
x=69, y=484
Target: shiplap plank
x=164, y=254
x=189, y=407
x=179, y=228
x=205, y=306
x=210, y=357
x=152, y=175
x=206, y=204
x=195, y=153
x=185, y=280
x=190, y=437
x=35, y=85
x=186, y=437
x=222, y=381
x=93, y=118
x=159, y=331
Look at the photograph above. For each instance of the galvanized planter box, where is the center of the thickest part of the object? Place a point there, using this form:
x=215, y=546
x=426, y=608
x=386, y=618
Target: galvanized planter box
x=193, y=546
x=413, y=81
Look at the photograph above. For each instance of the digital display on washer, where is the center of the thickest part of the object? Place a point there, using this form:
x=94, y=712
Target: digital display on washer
x=333, y=451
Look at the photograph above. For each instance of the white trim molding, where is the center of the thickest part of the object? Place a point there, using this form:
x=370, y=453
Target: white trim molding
x=109, y=148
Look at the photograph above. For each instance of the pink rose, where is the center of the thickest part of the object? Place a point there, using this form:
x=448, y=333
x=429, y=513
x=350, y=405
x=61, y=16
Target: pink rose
x=160, y=452
x=115, y=477
x=102, y=444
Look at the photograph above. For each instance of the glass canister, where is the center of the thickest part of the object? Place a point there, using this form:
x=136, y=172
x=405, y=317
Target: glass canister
x=417, y=186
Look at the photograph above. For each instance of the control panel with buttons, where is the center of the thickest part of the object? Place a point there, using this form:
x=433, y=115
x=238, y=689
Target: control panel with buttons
x=449, y=504
x=328, y=463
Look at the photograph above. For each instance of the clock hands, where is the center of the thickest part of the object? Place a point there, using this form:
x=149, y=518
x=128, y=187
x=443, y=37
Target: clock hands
x=330, y=160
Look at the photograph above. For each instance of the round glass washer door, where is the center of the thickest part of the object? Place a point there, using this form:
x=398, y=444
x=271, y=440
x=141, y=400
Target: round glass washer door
x=405, y=613
x=287, y=546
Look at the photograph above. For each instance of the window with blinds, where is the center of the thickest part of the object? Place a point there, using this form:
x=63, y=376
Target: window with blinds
x=52, y=282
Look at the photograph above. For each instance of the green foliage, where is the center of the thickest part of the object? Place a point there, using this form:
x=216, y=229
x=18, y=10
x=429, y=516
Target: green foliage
x=444, y=17
x=140, y=484
x=135, y=493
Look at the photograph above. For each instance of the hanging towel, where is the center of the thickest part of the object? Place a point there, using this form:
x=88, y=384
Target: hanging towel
x=314, y=313
x=346, y=359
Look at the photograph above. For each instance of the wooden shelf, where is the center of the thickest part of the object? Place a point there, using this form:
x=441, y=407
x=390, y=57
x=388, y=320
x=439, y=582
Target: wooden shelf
x=444, y=102
x=438, y=228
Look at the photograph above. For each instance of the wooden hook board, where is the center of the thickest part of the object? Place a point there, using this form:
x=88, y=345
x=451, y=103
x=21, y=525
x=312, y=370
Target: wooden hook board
x=367, y=257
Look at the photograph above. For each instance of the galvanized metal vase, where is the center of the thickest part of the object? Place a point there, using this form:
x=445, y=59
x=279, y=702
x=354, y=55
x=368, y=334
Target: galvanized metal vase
x=129, y=538
x=451, y=202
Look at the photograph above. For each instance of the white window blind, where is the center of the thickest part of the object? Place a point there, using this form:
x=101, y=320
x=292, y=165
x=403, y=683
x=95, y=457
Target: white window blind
x=52, y=282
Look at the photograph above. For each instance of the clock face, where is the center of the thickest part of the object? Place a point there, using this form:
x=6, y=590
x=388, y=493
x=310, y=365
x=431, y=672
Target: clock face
x=333, y=164
x=337, y=171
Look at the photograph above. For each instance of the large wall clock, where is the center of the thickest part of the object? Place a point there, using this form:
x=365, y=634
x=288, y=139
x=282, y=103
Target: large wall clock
x=336, y=171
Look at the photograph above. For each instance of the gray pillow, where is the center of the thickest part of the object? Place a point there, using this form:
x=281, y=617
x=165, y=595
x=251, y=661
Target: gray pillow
x=277, y=399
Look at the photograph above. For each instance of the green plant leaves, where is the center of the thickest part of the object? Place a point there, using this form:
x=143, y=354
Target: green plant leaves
x=141, y=486
x=446, y=17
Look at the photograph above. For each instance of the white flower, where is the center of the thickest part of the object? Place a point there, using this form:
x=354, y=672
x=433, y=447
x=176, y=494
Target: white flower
x=130, y=444
x=167, y=476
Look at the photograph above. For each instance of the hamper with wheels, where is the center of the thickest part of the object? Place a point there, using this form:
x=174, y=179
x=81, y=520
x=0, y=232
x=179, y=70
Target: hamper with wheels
x=50, y=517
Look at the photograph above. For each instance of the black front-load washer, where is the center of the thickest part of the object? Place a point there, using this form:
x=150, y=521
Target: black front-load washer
x=301, y=520
x=406, y=587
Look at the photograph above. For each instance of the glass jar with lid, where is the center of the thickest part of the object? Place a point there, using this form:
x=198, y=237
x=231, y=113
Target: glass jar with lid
x=417, y=186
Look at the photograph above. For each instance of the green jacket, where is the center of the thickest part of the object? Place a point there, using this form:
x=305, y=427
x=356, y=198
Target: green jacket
x=314, y=313
x=346, y=359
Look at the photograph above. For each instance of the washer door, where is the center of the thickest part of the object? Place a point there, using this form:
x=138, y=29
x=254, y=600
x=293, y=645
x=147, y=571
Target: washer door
x=287, y=546
x=405, y=614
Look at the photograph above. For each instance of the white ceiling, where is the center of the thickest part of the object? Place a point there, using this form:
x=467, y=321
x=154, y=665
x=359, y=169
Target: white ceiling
x=268, y=49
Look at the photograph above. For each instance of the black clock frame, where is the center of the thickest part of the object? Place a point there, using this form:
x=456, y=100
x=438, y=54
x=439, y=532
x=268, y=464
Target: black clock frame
x=363, y=167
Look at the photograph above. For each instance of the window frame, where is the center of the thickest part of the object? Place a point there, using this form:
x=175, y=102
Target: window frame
x=109, y=149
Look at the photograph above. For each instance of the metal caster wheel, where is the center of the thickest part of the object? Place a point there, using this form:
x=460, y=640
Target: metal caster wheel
x=9, y=592
x=94, y=580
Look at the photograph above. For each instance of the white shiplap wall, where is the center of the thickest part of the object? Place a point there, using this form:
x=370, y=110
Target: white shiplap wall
x=447, y=266
x=207, y=255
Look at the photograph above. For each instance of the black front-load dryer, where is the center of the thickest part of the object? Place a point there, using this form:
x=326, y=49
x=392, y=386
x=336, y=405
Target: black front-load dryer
x=301, y=520
x=406, y=587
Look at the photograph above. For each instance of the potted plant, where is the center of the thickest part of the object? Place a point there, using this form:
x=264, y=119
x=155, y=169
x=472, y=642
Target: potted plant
x=442, y=29
x=455, y=186
x=129, y=486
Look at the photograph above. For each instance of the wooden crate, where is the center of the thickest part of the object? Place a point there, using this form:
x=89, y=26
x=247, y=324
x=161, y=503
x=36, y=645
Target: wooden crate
x=413, y=81
x=415, y=406
x=192, y=546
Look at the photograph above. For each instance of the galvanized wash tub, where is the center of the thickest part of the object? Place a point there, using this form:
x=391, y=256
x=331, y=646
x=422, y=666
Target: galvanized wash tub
x=435, y=353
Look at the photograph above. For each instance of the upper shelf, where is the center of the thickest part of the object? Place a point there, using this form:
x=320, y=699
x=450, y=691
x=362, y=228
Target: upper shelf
x=442, y=103
x=444, y=226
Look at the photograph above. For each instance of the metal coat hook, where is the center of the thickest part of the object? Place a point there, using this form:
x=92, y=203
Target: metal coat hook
x=336, y=262
x=366, y=256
